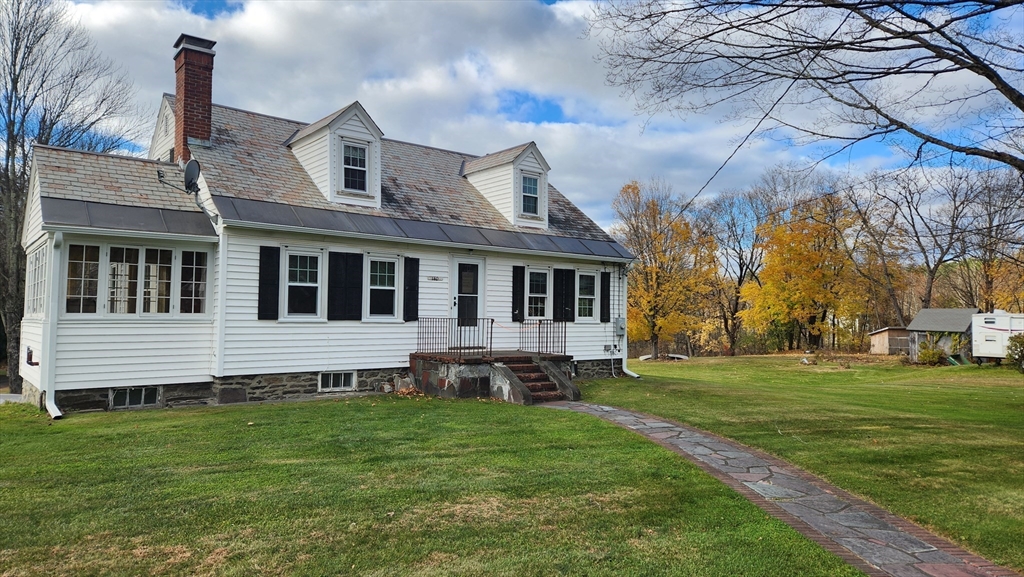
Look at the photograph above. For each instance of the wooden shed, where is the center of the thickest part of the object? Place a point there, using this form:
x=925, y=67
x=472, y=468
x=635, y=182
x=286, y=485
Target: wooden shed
x=890, y=341
x=948, y=328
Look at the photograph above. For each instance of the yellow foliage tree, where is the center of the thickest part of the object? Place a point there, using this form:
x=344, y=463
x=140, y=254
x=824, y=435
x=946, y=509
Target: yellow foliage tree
x=674, y=266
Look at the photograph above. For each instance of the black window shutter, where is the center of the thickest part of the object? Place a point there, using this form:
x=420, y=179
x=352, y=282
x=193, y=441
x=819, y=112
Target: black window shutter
x=269, y=283
x=606, y=297
x=411, y=290
x=518, y=292
x=344, y=286
x=565, y=295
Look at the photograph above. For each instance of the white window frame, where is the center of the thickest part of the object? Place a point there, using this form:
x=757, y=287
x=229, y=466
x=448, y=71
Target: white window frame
x=103, y=282
x=593, y=318
x=397, y=260
x=128, y=405
x=365, y=146
x=343, y=375
x=522, y=195
x=175, y=263
x=35, y=281
x=547, y=294
x=206, y=283
x=287, y=253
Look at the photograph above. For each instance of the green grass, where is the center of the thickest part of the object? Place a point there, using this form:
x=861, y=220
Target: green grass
x=374, y=486
x=941, y=446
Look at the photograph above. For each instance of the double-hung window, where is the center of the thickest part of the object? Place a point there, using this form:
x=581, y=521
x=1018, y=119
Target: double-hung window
x=537, y=297
x=383, y=287
x=531, y=195
x=586, y=296
x=354, y=167
x=303, y=284
x=83, y=278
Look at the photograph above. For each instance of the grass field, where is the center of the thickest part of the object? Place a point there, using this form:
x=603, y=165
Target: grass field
x=942, y=446
x=372, y=486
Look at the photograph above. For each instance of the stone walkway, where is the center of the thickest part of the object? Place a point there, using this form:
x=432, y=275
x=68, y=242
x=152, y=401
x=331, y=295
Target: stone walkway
x=864, y=535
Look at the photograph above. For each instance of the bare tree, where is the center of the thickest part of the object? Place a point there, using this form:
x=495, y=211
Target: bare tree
x=56, y=89
x=931, y=75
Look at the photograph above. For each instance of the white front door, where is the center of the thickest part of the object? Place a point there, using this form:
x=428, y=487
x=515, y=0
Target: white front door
x=467, y=290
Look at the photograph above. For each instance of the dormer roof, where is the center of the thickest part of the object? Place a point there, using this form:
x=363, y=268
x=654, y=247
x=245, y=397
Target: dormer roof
x=354, y=108
x=507, y=156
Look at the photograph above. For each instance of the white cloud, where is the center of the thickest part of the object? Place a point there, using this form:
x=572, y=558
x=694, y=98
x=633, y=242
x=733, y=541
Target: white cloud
x=435, y=73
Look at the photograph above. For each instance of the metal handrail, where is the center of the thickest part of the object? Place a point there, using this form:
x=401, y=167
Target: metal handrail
x=542, y=336
x=452, y=336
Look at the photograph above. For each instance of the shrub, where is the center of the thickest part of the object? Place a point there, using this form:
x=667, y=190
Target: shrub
x=930, y=353
x=1015, y=352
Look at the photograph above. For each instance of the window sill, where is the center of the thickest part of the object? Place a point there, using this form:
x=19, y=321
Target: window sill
x=587, y=321
x=355, y=194
x=302, y=320
x=393, y=321
x=532, y=217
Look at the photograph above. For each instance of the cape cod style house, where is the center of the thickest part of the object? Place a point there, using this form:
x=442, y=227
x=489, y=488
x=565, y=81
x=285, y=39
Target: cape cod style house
x=314, y=258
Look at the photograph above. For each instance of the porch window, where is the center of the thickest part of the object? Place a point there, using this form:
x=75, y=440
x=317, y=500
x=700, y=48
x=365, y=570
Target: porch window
x=156, y=291
x=383, y=291
x=123, y=280
x=35, y=281
x=193, y=282
x=303, y=284
x=83, y=278
x=537, y=298
x=586, y=296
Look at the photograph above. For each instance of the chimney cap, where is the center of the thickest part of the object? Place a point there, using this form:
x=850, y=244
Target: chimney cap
x=195, y=42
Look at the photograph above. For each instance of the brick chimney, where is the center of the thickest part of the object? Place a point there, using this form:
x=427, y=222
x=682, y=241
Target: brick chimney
x=193, y=94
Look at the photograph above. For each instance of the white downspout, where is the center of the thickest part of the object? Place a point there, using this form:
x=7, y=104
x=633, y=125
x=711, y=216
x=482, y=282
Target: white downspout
x=47, y=370
x=626, y=371
x=625, y=339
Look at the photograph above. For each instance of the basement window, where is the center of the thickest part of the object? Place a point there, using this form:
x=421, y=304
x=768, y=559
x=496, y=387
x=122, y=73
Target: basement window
x=345, y=381
x=132, y=397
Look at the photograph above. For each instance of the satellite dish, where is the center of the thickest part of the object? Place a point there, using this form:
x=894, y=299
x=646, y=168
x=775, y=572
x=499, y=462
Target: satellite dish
x=192, y=175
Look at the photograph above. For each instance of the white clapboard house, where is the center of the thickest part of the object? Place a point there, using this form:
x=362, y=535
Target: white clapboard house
x=315, y=258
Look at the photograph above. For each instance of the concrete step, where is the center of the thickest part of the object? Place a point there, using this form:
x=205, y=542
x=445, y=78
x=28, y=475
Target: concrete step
x=547, y=396
x=523, y=367
x=541, y=386
x=531, y=377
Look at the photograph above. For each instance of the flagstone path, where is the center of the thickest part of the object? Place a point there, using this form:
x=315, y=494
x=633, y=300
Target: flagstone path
x=864, y=535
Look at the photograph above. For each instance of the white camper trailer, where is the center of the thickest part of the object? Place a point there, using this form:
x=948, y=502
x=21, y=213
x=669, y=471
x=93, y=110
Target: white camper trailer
x=992, y=331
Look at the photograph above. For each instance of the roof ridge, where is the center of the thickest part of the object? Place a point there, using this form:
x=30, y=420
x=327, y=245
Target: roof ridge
x=106, y=154
x=506, y=149
x=418, y=145
x=236, y=109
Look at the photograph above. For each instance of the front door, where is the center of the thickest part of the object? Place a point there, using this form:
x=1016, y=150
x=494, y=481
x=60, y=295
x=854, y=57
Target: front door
x=466, y=292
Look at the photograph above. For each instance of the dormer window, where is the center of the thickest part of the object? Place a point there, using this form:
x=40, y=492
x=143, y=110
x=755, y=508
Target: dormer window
x=355, y=167
x=531, y=198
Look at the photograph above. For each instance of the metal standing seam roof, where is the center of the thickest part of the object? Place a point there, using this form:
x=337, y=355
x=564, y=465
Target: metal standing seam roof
x=942, y=320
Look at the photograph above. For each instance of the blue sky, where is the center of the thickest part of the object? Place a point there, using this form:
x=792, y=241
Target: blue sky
x=470, y=76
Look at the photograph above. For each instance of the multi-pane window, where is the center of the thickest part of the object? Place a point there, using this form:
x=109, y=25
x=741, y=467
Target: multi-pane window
x=123, y=280
x=587, y=287
x=354, y=164
x=35, y=281
x=538, y=294
x=531, y=198
x=193, y=282
x=383, y=292
x=338, y=381
x=156, y=289
x=83, y=278
x=303, y=284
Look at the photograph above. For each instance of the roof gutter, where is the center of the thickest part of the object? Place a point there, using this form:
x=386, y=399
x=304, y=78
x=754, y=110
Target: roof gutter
x=416, y=241
x=88, y=230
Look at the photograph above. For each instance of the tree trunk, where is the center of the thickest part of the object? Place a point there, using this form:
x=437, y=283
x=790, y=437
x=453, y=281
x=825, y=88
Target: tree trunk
x=654, y=346
x=12, y=329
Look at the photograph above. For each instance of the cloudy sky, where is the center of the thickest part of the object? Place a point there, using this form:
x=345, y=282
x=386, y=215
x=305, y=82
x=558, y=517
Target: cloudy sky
x=475, y=77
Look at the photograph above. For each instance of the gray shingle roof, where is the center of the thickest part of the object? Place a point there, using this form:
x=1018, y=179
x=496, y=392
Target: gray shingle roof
x=942, y=320
x=109, y=179
x=248, y=159
x=494, y=159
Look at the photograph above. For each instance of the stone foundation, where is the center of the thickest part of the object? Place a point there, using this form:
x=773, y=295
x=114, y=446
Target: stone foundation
x=599, y=369
x=451, y=380
x=229, y=390
x=31, y=395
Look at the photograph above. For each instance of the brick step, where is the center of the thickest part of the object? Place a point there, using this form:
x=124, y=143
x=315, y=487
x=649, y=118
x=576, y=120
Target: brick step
x=531, y=377
x=541, y=386
x=547, y=396
x=524, y=367
x=513, y=360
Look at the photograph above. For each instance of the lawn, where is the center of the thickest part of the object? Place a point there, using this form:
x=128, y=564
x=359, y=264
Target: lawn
x=942, y=446
x=379, y=485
